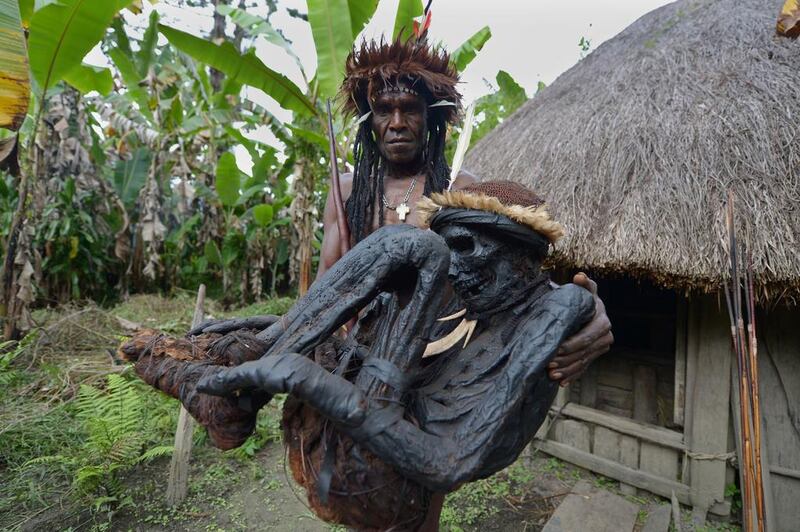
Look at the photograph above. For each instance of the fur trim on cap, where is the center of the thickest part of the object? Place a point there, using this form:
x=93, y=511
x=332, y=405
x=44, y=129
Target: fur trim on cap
x=535, y=217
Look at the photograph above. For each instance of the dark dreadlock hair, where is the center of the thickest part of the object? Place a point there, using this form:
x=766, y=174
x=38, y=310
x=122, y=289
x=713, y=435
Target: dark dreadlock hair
x=370, y=68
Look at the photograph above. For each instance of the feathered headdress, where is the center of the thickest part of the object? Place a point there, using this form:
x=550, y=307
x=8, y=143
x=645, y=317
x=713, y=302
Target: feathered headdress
x=375, y=65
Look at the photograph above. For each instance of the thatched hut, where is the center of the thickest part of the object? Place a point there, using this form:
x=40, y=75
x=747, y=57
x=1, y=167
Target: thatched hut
x=636, y=148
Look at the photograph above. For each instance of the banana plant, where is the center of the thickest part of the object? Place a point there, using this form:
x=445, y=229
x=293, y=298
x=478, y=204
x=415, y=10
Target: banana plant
x=60, y=34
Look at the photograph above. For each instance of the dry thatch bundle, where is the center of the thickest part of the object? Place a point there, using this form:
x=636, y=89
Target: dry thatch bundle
x=636, y=146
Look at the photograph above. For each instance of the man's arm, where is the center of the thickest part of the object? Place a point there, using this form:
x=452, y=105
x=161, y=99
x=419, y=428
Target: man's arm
x=331, y=250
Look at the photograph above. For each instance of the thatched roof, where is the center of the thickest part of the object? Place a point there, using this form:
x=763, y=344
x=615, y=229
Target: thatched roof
x=636, y=146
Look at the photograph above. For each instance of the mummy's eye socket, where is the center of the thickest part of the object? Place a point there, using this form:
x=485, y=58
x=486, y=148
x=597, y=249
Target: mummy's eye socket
x=461, y=244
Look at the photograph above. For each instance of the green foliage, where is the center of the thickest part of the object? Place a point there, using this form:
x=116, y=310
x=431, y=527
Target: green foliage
x=257, y=26
x=268, y=430
x=490, y=110
x=327, y=19
x=62, y=33
x=119, y=423
x=464, y=54
x=361, y=12
x=15, y=85
x=263, y=214
x=130, y=175
x=9, y=351
x=87, y=78
x=244, y=68
x=473, y=502
x=8, y=203
x=176, y=209
x=229, y=179
x=732, y=491
x=74, y=244
x=407, y=11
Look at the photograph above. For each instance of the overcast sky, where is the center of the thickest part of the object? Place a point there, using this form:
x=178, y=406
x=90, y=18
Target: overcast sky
x=533, y=40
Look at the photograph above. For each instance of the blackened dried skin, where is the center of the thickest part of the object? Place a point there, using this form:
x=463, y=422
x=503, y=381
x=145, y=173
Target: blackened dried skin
x=175, y=365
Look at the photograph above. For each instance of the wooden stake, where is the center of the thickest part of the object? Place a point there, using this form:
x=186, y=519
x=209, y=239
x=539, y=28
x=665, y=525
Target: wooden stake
x=179, y=466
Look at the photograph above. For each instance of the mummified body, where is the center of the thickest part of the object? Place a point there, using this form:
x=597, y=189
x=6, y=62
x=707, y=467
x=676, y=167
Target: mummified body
x=373, y=426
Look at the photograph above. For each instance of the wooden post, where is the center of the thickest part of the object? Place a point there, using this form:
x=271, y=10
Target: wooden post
x=179, y=466
x=681, y=330
x=709, y=356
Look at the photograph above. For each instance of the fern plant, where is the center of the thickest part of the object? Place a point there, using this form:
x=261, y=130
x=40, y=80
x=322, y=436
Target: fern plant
x=120, y=423
x=9, y=351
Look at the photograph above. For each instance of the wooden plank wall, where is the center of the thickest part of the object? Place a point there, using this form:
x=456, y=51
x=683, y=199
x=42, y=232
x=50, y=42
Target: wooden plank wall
x=637, y=452
x=779, y=374
x=630, y=384
x=708, y=411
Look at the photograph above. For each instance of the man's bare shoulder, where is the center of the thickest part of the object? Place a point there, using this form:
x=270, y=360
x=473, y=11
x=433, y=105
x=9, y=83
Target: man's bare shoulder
x=464, y=179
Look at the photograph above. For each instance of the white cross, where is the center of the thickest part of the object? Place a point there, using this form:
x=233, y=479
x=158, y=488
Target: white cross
x=402, y=211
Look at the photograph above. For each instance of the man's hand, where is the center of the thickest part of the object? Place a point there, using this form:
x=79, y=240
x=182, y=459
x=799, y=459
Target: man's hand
x=256, y=323
x=578, y=351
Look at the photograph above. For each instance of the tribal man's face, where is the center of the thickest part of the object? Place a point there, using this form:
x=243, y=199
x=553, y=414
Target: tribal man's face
x=399, y=121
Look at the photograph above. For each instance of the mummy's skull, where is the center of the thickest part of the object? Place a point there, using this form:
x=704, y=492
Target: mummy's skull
x=482, y=268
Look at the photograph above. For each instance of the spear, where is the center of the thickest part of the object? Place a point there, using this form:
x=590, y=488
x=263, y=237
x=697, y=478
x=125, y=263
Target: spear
x=754, y=394
x=733, y=296
x=745, y=345
x=336, y=190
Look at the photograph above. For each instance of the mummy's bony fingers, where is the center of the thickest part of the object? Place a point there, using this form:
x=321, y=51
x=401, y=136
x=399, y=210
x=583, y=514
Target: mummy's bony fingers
x=333, y=396
x=258, y=323
x=228, y=381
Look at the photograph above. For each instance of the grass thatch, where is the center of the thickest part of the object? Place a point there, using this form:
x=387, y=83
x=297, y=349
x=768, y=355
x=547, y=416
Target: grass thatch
x=636, y=147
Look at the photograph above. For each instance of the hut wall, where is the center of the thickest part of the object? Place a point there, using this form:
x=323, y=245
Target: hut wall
x=779, y=388
x=654, y=449
x=636, y=379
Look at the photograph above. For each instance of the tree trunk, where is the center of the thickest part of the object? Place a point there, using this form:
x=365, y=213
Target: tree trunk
x=303, y=220
x=217, y=35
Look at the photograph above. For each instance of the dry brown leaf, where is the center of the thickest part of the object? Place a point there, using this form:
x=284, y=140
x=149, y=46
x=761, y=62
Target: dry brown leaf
x=789, y=19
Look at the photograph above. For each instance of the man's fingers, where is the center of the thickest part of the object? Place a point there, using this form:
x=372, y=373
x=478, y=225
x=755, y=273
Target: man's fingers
x=596, y=329
x=583, y=280
x=601, y=345
x=572, y=371
x=562, y=361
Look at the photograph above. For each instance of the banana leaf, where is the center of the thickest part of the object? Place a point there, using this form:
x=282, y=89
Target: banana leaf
x=14, y=81
x=465, y=53
x=88, y=78
x=245, y=68
x=63, y=32
x=407, y=11
x=258, y=26
x=327, y=19
x=361, y=12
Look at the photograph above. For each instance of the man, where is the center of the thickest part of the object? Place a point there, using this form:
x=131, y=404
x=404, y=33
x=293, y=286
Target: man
x=404, y=95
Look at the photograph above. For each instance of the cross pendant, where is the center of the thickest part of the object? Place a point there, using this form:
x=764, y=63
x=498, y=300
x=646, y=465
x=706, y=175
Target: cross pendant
x=402, y=211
